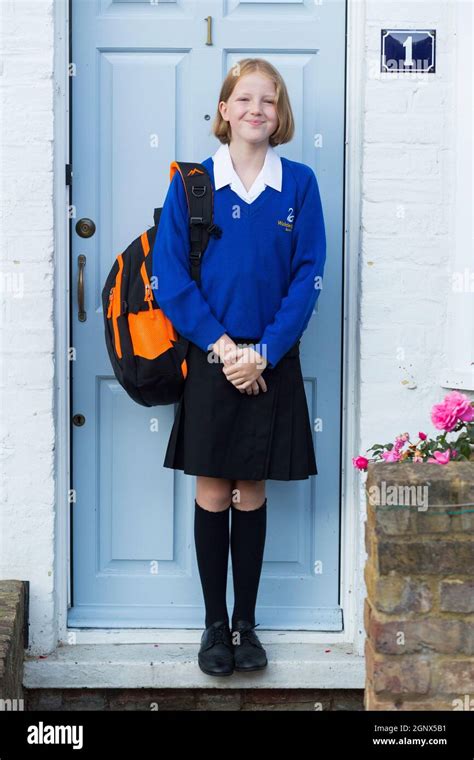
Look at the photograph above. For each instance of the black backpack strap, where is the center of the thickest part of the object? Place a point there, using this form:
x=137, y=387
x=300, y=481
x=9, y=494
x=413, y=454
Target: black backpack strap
x=199, y=195
x=156, y=216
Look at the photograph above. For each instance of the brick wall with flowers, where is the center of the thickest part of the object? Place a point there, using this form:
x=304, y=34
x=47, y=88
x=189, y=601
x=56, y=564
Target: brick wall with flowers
x=419, y=537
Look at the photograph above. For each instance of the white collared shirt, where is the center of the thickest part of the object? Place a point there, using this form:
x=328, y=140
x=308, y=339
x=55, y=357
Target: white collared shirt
x=225, y=174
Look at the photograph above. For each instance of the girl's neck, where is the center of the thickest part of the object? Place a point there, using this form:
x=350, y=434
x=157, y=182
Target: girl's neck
x=246, y=156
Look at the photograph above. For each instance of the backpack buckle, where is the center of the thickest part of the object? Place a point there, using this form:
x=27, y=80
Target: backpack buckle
x=198, y=190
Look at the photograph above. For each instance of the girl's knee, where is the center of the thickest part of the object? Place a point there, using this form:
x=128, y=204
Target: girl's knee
x=213, y=494
x=248, y=494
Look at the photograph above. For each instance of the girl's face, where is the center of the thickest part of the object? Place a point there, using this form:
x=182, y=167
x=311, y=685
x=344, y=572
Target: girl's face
x=251, y=109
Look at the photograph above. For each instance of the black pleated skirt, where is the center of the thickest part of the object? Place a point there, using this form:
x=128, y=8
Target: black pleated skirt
x=222, y=433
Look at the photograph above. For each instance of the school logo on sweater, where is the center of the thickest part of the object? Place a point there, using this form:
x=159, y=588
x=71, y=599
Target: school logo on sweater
x=288, y=224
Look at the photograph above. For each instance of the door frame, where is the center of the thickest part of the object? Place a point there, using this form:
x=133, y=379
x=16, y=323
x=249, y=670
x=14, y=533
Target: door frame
x=351, y=592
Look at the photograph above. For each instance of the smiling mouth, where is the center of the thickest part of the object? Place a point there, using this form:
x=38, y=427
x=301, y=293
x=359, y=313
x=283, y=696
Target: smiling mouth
x=255, y=123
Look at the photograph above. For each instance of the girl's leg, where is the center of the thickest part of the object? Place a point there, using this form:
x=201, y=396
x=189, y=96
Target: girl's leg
x=213, y=494
x=211, y=535
x=247, y=541
x=248, y=494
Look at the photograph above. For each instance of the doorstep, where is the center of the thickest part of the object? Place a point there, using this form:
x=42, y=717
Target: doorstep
x=134, y=666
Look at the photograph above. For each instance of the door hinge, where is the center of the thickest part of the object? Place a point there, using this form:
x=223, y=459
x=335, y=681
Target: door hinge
x=68, y=174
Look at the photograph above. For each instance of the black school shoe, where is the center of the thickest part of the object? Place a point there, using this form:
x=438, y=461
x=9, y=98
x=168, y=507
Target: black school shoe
x=249, y=653
x=216, y=655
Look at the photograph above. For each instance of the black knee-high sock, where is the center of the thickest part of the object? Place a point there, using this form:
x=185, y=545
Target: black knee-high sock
x=247, y=542
x=211, y=536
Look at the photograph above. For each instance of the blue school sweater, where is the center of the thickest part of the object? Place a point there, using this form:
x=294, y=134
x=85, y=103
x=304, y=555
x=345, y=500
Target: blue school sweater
x=261, y=279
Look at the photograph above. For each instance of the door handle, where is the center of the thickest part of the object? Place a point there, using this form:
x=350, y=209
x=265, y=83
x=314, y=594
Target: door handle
x=81, y=262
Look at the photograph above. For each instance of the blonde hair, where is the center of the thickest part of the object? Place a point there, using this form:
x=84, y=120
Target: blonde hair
x=286, y=125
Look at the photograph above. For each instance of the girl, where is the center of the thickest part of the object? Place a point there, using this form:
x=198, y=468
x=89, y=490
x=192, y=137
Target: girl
x=243, y=417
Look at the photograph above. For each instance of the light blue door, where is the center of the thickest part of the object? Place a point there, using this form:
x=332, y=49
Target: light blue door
x=144, y=86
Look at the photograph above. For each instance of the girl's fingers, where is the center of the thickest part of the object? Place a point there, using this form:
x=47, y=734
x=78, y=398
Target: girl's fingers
x=249, y=386
x=238, y=377
x=230, y=359
x=232, y=370
x=240, y=383
x=244, y=385
x=232, y=356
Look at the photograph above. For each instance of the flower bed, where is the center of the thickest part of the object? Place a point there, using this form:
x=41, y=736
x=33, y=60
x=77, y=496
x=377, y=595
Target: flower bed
x=454, y=416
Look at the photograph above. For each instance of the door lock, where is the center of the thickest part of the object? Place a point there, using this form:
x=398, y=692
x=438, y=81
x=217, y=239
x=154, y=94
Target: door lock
x=85, y=228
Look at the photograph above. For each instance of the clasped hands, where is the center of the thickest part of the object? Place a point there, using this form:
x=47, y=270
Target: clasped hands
x=243, y=367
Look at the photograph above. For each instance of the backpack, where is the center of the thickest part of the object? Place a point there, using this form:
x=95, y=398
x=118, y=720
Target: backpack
x=147, y=354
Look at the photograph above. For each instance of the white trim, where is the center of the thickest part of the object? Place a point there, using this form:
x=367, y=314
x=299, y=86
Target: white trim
x=62, y=564
x=459, y=331
x=351, y=596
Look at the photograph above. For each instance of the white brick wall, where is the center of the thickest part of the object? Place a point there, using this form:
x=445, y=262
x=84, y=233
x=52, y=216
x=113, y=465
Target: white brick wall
x=26, y=315
x=406, y=238
x=406, y=223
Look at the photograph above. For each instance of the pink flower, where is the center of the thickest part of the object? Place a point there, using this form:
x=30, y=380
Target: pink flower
x=456, y=406
x=360, y=462
x=461, y=404
x=391, y=456
x=400, y=441
x=440, y=457
x=422, y=436
x=443, y=417
x=417, y=458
